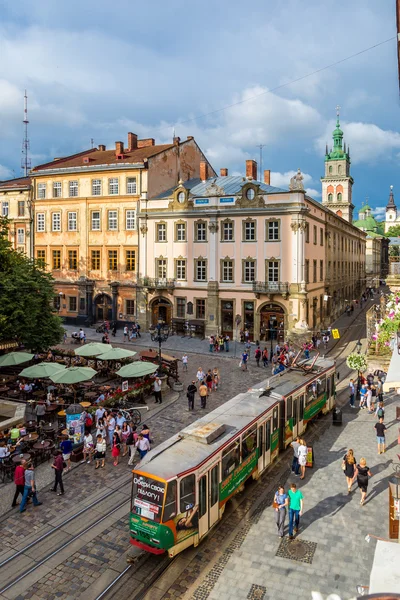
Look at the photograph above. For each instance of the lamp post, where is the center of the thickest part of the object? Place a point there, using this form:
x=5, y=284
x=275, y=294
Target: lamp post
x=271, y=335
x=358, y=346
x=160, y=335
x=394, y=484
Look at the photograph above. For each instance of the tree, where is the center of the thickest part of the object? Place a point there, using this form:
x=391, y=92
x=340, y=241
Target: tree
x=26, y=297
x=356, y=361
x=393, y=231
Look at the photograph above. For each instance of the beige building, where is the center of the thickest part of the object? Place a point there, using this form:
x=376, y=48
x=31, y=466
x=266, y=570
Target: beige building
x=16, y=205
x=86, y=230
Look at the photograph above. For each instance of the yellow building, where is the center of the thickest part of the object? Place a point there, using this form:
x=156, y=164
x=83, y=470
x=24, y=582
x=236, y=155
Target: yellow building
x=16, y=205
x=86, y=224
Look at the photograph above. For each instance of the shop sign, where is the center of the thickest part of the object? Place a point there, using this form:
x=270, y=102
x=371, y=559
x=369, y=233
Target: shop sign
x=201, y=201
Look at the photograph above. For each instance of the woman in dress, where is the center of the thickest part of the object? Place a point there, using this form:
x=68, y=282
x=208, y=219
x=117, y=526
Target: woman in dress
x=362, y=473
x=101, y=429
x=125, y=431
x=100, y=454
x=302, y=454
x=348, y=466
x=146, y=432
x=116, y=448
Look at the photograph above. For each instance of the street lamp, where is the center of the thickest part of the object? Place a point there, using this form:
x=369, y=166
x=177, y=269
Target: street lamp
x=160, y=335
x=271, y=334
x=358, y=346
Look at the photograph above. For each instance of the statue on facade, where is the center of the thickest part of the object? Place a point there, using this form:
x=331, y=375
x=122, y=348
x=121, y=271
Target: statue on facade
x=296, y=182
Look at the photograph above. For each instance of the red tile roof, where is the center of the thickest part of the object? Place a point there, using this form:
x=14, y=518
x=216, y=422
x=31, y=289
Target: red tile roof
x=12, y=184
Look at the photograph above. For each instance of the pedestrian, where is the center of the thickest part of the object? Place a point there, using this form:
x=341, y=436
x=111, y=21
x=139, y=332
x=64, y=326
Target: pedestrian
x=143, y=445
x=110, y=428
x=211, y=342
x=114, y=329
x=380, y=411
x=190, y=394
x=100, y=451
x=348, y=466
x=216, y=379
x=29, y=488
x=19, y=480
x=58, y=466
x=296, y=506
x=295, y=462
x=200, y=375
x=40, y=411
x=131, y=443
x=146, y=432
x=363, y=393
x=209, y=381
x=99, y=414
x=116, y=448
x=221, y=344
x=352, y=393
x=126, y=333
x=265, y=357
x=203, y=395
x=368, y=399
x=380, y=435
x=65, y=336
x=244, y=360
x=302, y=453
x=82, y=336
x=87, y=447
x=227, y=340
x=157, y=390
x=257, y=356
x=184, y=362
x=281, y=501
x=325, y=341
x=120, y=420
x=138, y=330
x=379, y=390
x=66, y=449
x=125, y=431
x=362, y=473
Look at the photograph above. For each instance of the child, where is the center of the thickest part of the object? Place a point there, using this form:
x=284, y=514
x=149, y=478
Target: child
x=116, y=448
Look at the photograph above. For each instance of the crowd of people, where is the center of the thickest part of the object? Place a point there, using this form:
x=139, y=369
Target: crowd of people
x=203, y=385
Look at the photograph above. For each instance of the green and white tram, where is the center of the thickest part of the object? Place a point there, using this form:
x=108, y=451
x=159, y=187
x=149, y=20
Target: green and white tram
x=181, y=487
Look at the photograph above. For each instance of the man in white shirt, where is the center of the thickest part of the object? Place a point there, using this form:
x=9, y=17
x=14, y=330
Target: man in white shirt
x=185, y=362
x=111, y=429
x=99, y=414
x=87, y=447
x=143, y=445
x=157, y=390
x=82, y=336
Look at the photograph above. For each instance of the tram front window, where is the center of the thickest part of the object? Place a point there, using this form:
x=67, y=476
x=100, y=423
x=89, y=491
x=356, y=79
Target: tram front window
x=147, y=497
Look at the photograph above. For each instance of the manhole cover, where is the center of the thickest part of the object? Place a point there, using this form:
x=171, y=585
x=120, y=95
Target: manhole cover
x=257, y=592
x=297, y=549
x=300, y=550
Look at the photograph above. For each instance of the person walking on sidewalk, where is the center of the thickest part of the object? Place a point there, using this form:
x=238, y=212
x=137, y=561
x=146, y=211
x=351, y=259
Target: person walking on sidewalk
x=380, y=435
x=100, y=451
x=203, y=391
x=368, y=398
x=352, y=393
x=361, y=474
x=257, y=356
x=296, y=506
x=302, y=454
x=58, y=466
x=191, y=392
x=143, y=445
x=265, y=357
x=19, y=480
x=29, y=488
x=380, y=411
x=131, y=443
x=157, y=390
x=185, y=362
x=348, y=466
x=363, y=393
x=295, y=462
x=244, y=360
x=281, y=501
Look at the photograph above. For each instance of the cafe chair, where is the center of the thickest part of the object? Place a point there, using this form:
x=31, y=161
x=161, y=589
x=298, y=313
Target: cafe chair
x=7, y=468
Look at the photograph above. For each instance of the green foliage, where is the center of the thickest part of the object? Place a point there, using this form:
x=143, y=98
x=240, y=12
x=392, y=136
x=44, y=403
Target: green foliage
x=26, y=297
x=357, y=362
x=393, y=231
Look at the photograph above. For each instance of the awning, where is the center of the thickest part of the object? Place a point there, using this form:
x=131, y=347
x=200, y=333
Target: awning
x=393, y=376
x=385, y=573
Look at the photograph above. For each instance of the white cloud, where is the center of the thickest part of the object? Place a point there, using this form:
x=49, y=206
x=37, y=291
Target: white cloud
x=379, y=212
x=313, y=193
x=5, y=173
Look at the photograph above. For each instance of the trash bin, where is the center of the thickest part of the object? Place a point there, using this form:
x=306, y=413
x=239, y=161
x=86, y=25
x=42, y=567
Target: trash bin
x=337, y=416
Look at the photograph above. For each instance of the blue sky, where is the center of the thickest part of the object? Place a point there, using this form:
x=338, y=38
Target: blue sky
x=100, y=69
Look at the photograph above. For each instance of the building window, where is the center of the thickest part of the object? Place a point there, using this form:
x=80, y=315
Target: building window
x=113, y=186
x=41, y=190
x=339, y=197
x=321, y=236
x=113, y=260
x=56, y=221
x=21, y=208
x=200, y=232
x=180, y=308
x=4, y=209
x=334, y=269
x=315, y=234
x=130, y=219
x=161, y=232
x=131, y=185
x=227, y=233
x=41, y=257
x=307, y=271
x=200, y=269
x=200, y=309
x=95, y=220
x=314, y=271
x=227, y=271
x=57, y=189
x=73, y=260
x=180, y=232
x=272, y=271
x=72, y=221
x=330, y=169
x=330, y=197
x=72, y=303
x=307, y=233
x=95, y=260
x=130, y=308
x=56, y=259
x=40, y=222
x=249, y=231
x=272, y=231
x=130, y=260
x=82, y=304
x=161, y=268
x=249, y=271
x=329, y=269
x=73, y=189
x=20, y=236
x=180, y=269
x=96, y=187
x=112, y=220
x=321, y=270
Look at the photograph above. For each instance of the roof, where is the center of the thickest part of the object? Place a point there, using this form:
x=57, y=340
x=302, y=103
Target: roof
x=369, y=224
x=16, y=184
x=230, y=185
x=364, y=209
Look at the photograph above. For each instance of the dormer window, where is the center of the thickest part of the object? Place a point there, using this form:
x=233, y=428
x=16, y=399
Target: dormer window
x=181, y=197
x=250, y=194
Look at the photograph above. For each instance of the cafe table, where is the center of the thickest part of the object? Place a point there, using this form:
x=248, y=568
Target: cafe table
x=90, y=395
x=85, y=404
x=18, y=458
x=4, y=388
x=42, y=445
x=31, y=437
x=39, y=393
x=61, y=413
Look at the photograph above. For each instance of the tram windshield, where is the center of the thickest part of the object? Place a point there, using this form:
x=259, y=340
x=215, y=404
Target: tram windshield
x=147, y=497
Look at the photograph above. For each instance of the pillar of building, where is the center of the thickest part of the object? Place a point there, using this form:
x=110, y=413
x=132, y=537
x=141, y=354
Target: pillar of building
x=114, y=310
x=212, y=309
x=89, y=301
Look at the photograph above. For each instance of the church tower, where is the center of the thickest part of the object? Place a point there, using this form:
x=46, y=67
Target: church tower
x=391, y=211
x=337, y=183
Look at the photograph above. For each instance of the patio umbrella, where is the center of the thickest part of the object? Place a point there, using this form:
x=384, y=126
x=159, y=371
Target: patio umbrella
x=92, y=349
x=115, y=354
x=41, y=370
x=15, y=358
x=73, y=375
x=137, y=369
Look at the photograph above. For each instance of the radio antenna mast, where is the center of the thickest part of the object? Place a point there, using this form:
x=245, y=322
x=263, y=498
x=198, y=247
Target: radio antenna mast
x=261, y=146
x=25, y=161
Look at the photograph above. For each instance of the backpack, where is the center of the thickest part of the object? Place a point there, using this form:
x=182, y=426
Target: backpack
x=89, y=421
x=130, y=439
x=380, y=413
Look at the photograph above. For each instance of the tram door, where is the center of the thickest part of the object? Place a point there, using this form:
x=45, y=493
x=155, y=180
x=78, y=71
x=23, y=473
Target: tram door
x=300, y=425
x=267, y=453
x=298, y=413
x=261, y=446
x=208, y=494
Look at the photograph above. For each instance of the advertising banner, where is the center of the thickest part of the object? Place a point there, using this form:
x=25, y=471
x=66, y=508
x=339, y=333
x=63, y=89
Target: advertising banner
x=236, y=478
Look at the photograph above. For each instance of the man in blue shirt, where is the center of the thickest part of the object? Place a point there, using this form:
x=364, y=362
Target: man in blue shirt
x=66, y=449
x=245, y=357
x=120, y=419
x=281, y=501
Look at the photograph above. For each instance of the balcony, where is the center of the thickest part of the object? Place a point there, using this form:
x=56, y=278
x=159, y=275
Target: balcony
x=271, y=287
x=157, y=283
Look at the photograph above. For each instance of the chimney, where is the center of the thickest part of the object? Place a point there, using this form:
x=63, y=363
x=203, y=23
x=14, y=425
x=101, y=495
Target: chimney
x=102, y=147
x=190, y=137
x=176, y=140
x=251, y=169
x=203, y=170
x=267, y=176
x=119, y=147
x=132, y=141
x=145, y=143
x=223, y=172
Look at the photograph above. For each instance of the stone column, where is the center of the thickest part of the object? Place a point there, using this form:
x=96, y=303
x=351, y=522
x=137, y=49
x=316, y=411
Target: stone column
x=298, y=226
x=89, y=301
x=213, y=245
x=212, y=308
x=114, y=290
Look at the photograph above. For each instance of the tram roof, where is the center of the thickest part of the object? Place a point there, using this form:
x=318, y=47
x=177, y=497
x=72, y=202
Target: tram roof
x=187, y=449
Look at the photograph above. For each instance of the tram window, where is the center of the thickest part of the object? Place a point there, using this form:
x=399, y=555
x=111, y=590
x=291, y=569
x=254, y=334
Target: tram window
x=260, y=440
x=214, y=485
x=170, y=502
x=289, y=409
x=202, y=496
x=311, y=392
x=249, y=441
x=268, y=435
x=301, y=411
x=230, y=459
x=187, y=492
x=295, y=412
x=275, y=419
x=321, y=386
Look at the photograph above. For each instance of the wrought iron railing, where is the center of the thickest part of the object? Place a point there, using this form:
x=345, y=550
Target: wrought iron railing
x=270, y=287
x=159, y=283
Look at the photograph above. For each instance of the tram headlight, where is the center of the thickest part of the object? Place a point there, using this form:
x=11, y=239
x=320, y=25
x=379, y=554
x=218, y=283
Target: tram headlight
x=155, y=541
x=134, y=531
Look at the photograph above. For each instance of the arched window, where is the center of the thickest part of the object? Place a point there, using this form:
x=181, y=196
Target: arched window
x=339, y=197
x=339, y=169
x=330, y=197
x=330, y=169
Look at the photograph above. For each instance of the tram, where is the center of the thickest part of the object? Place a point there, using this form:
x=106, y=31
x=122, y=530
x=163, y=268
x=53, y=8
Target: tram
x=180, y=488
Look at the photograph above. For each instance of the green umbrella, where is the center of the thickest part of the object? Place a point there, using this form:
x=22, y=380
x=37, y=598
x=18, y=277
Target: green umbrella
x=137, y=369
x=115, y=354
x=15, y=358
x=73, y=375
x=92, y=349
x=42, y=370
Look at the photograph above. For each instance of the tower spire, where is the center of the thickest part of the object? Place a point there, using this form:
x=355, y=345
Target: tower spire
x=25, y=161
x=391, y=203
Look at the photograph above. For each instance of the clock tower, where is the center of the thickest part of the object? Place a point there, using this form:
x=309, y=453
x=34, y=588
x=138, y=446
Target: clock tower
x=337, y=183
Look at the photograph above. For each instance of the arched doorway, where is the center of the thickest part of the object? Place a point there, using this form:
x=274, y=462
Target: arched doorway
x=161, y=309
x=272, y=322
x=103, y=307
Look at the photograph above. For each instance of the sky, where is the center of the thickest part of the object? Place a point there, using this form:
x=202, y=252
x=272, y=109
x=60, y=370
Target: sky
x=222, y=71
